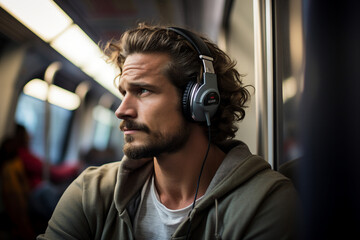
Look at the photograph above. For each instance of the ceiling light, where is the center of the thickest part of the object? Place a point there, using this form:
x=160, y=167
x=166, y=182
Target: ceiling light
x=60, y=97
x=50, y=23
x=76, y=46
x=104, y=73
x=79, y=49
x=43, y=17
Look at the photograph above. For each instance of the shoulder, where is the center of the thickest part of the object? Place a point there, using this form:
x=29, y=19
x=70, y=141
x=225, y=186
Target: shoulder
x=85, y=204
x=93, y=186
x=101, y=172
x=94, y=182
x=100, y=179
x=264, y=181
x=254, y=184
x=267, y=203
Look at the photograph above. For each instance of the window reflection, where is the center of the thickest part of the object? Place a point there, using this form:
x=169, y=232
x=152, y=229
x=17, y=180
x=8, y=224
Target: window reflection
x=289, y=64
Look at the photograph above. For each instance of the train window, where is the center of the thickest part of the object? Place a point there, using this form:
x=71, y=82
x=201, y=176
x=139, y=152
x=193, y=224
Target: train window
x=289, y=70
x=30, y=112
x=105, y=120
x=101, y=135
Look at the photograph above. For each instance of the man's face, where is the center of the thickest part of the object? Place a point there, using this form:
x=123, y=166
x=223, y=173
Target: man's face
x=152, y=120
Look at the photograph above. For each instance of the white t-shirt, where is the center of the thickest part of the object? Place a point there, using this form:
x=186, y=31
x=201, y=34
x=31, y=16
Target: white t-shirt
x=153, y=220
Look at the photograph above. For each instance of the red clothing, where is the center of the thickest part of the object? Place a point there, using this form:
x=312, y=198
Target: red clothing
x=34, y=169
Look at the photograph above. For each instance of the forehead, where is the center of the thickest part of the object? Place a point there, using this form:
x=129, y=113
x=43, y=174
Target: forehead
x=142, y=64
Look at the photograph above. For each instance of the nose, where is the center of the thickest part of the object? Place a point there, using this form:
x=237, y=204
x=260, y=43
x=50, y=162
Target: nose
x=126, y=109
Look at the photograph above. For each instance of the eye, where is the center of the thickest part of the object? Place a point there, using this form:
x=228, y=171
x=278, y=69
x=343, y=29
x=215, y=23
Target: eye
x=143, y=91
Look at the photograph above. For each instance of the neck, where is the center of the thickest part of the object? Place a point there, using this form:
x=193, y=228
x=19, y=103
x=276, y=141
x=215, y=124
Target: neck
x=176, y=174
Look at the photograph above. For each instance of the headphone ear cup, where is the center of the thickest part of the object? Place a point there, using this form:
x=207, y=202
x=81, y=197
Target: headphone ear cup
x=186, y=100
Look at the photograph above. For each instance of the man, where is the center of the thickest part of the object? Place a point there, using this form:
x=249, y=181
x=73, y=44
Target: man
x=182, y=176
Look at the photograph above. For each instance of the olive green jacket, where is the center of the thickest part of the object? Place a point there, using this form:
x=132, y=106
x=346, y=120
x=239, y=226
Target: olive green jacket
x=251, y=201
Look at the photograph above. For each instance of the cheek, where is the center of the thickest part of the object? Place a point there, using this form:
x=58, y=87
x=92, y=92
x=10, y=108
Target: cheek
x=165, y=115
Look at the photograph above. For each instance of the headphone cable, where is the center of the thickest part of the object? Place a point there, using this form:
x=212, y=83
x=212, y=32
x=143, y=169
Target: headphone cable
x=201, y=170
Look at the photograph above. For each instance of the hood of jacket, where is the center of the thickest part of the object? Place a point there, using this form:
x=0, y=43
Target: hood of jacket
x=238, y=166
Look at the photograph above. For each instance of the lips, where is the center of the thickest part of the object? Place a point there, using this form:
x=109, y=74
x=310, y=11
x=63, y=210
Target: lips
x=129, y=131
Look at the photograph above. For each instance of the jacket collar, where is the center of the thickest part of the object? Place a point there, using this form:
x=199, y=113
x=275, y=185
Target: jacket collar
x=132, y=175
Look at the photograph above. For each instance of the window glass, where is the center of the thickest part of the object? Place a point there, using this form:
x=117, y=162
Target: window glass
x=101, y=136
x=30, y=113
x=289, y=70
x=105, y=120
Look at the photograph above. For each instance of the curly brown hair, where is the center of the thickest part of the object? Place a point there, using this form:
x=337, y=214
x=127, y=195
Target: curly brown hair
x=185, y=63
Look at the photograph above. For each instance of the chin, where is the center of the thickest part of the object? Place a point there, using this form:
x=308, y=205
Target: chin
x=136, y=151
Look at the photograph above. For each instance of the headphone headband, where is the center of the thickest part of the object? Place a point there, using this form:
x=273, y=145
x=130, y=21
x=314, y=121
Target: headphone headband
x=199, y=45
x=197, y=42
x=200, y=100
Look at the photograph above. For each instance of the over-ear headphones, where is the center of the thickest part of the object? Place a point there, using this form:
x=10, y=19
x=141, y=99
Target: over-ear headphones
x=200, y=100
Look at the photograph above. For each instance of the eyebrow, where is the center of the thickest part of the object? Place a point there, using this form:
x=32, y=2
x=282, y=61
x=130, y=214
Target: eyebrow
x=134, y=85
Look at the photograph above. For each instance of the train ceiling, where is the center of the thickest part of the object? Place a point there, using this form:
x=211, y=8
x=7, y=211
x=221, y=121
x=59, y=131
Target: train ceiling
x=106, y=19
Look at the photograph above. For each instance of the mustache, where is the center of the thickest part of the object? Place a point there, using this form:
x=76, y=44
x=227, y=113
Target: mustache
x=132, y=125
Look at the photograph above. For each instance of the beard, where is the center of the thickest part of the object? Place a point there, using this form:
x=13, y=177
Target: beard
x=155, y=143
